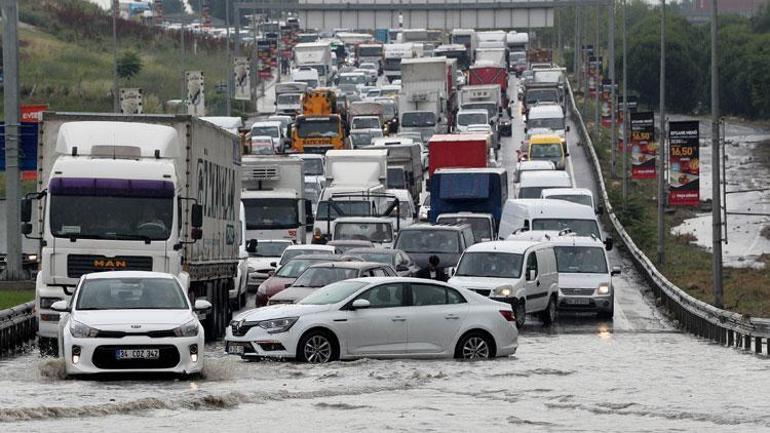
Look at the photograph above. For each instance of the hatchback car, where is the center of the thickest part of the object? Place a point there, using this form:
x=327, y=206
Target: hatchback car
x=377, y=317
x=287, y=273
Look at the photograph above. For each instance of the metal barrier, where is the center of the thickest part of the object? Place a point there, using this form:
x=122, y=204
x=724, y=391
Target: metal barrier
x=697, y=317
x=18, y=325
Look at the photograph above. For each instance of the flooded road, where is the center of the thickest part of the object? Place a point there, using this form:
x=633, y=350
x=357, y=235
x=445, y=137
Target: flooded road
x=634, y=373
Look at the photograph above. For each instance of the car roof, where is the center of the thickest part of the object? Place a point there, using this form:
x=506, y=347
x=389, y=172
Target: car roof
x=546, y=207
x=426, y=226
x=127, y=274
x=338, y=242
x=373, y=250
x=362, y=219
x=472, y=111
x=545, y=139
x=514, y=246
x=348, y=265
x=541, y=111
x=544, y=177
x=568, y=191
x=310, y=247
x=578, y=241
x=318, y=257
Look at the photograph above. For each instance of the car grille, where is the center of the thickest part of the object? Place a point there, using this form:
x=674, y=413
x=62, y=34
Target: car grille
x=104, y=357
x=163, y=333
x=577, y=292
x=79, y=264
x=239, y=330
x=482, y=292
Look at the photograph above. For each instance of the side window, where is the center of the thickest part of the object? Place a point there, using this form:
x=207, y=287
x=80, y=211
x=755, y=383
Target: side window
x=454, y=297
x=377, y=272
x=428, y=294
x=385, y=296
x=532, y=263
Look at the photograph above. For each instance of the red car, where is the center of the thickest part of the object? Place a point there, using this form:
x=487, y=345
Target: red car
x=286, y=274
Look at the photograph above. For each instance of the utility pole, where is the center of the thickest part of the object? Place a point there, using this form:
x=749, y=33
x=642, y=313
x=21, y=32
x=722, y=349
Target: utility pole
x=13, y=267
x=613, y=94
x=597, y=78
x=662, y=154
x=182, y=86
x=626, y=116
x=716, y=198
x=115, y=86
x=576, y=64
x=228, y=64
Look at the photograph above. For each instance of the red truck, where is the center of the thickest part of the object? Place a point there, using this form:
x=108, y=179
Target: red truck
x=458, y=151
x=490, y=74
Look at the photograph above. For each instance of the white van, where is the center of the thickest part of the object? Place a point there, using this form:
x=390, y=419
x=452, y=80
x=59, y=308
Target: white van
x=582, y=196
x=545, y=214
x=520, y=273
x=548, y=116
x=585, y=275
x=308, y=76
x=532, y=183
x=536, y=165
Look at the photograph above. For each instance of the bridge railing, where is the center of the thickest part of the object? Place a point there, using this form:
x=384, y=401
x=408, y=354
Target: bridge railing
x=18, y=325
x=695, y=316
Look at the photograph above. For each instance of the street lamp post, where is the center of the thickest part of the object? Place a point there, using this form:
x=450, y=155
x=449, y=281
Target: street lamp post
x=662, y=147
x=626, y=120
x=716, y=198
x=613, y=93
x=115, y=88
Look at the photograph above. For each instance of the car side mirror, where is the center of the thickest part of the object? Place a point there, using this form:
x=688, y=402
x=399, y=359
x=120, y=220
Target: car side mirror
x=26, y=210
x=360, y=304
x=274, y=264
x=531, y=274
x=60, y=306
x=26, y=228
x=615, y=270
x=202, y=305
x=608, y=243
x=600, y=210
x=251, y=245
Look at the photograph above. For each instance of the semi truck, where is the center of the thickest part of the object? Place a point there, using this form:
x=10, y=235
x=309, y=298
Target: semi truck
x=394, y=54
x=273, y=195
x=422, y=102
x=288, y=97
x=317, y=55
x=466, y=38
x=320, y=127
x=143, y=192
x=370, y=53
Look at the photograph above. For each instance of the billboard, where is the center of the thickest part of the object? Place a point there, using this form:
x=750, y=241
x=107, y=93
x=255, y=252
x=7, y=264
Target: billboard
x=131, y=101
x=644, y=149
x=196, y=101
x=242, y=78
x=684, y=163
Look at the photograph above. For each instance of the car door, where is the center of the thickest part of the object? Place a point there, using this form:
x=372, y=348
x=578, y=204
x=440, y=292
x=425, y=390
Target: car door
x=536, y=291
x=380, y=329
x=434, y=318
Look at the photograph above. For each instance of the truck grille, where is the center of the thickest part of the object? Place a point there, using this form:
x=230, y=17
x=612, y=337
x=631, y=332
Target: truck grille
x=78, y=265
x=104, y=357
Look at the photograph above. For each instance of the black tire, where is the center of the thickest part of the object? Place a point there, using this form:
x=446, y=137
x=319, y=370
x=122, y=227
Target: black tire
x=48, y=347
x=607, y=314
x=318, y=347
x=548, y=316
x=520, y=312
x=475, y=345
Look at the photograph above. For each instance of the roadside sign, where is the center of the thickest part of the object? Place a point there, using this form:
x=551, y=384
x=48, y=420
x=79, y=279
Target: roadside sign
x=684, y=163
x=242, y=76
x=32, y=113
x=644, y=149
x=131, y=101
x=196, y=101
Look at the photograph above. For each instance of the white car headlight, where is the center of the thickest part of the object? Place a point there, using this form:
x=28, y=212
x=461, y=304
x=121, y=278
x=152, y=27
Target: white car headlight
x=503, y=291
x=81, y=330
x=603, y=289
x=276, y=326
x=189, y=329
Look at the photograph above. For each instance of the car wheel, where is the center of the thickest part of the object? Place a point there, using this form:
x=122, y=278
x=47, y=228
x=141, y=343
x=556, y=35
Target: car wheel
x=474, y=345
x=317, y=347
x=520, y=310
x=548, y=316
x=606, y=314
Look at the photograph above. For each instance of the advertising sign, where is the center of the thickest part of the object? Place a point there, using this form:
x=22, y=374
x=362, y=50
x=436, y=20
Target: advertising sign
x=196, y=101
x=32, y=113
x=684, y=163
x=242, y=78
x=643, y=146
x=131, y=101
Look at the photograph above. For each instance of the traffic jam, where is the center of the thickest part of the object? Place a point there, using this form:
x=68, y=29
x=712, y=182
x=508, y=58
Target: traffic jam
x=374, y=214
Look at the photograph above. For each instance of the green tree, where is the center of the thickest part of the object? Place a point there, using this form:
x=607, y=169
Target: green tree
x=129, y=64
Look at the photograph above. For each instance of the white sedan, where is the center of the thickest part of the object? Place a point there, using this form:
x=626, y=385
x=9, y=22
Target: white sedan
x=130, y=322
x=381, y=317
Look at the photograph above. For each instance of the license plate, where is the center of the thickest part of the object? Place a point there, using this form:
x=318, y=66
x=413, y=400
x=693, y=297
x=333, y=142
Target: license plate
x=578, y=301
x=234, y=349
x=137, y=354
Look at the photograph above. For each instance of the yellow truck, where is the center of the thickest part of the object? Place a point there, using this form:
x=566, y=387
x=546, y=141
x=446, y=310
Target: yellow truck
x=319, y=128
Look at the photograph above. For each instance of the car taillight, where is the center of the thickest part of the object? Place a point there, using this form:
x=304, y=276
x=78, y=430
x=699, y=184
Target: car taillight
x=508, y=315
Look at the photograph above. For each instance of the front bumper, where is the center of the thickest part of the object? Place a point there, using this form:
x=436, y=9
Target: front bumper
x=257, y=343
x=585, y=303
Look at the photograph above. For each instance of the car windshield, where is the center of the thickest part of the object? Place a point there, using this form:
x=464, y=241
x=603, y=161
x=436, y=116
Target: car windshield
x=290, y=254
x=323, y=276
x=388, y=110
x=471, y=119
x=341, y=208
x=424, y=241
x=581, y=227
x=131, y=294
x=574, y=198
x=288, y=99
x=364, y=138
x=261, y=148
x=424, y=118
x=294, y=268
x=581, y=260
x=352, y=79
x=375, y=232
x=318, y=127
x=385, y=258
x=490, y=264
x=396, y=178
x=549, y=150
x=536, y=96
x=124, y=209
x=554, y=123
x=271, y=213
x=333, y=293
x=269, y=249
x=480, y=226
x=313, y=166
x=365, y=123
x=531, y=192
x=490, y=107
x=270, y=131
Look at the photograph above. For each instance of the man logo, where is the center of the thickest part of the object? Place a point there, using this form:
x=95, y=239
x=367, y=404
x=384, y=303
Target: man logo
x=110, y=264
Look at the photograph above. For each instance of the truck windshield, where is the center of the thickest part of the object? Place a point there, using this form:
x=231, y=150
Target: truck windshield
x=416, y=119
x=490, y=107
x=375, y=232
x=531, y=192
x=342, y=208
x=466, y=119
x=313, y=166
x=353, y=79
x=546, y=150
x=370, y=51
x=288, y=99
x=269, y=249
x=461, y=39
x=424, y=241
x=579, y=226
x=555, y=123
x=111, y=208
x=318, y=128
x=269, y=131
x=396, y=178
x=365, y=123
x=581, y=260
x=490, y=264
x=392, y=64
x=482, y=229
x=537, y=96
x=271, y=213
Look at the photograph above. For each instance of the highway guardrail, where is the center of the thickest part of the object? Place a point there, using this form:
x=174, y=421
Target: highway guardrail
x=18, y=325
